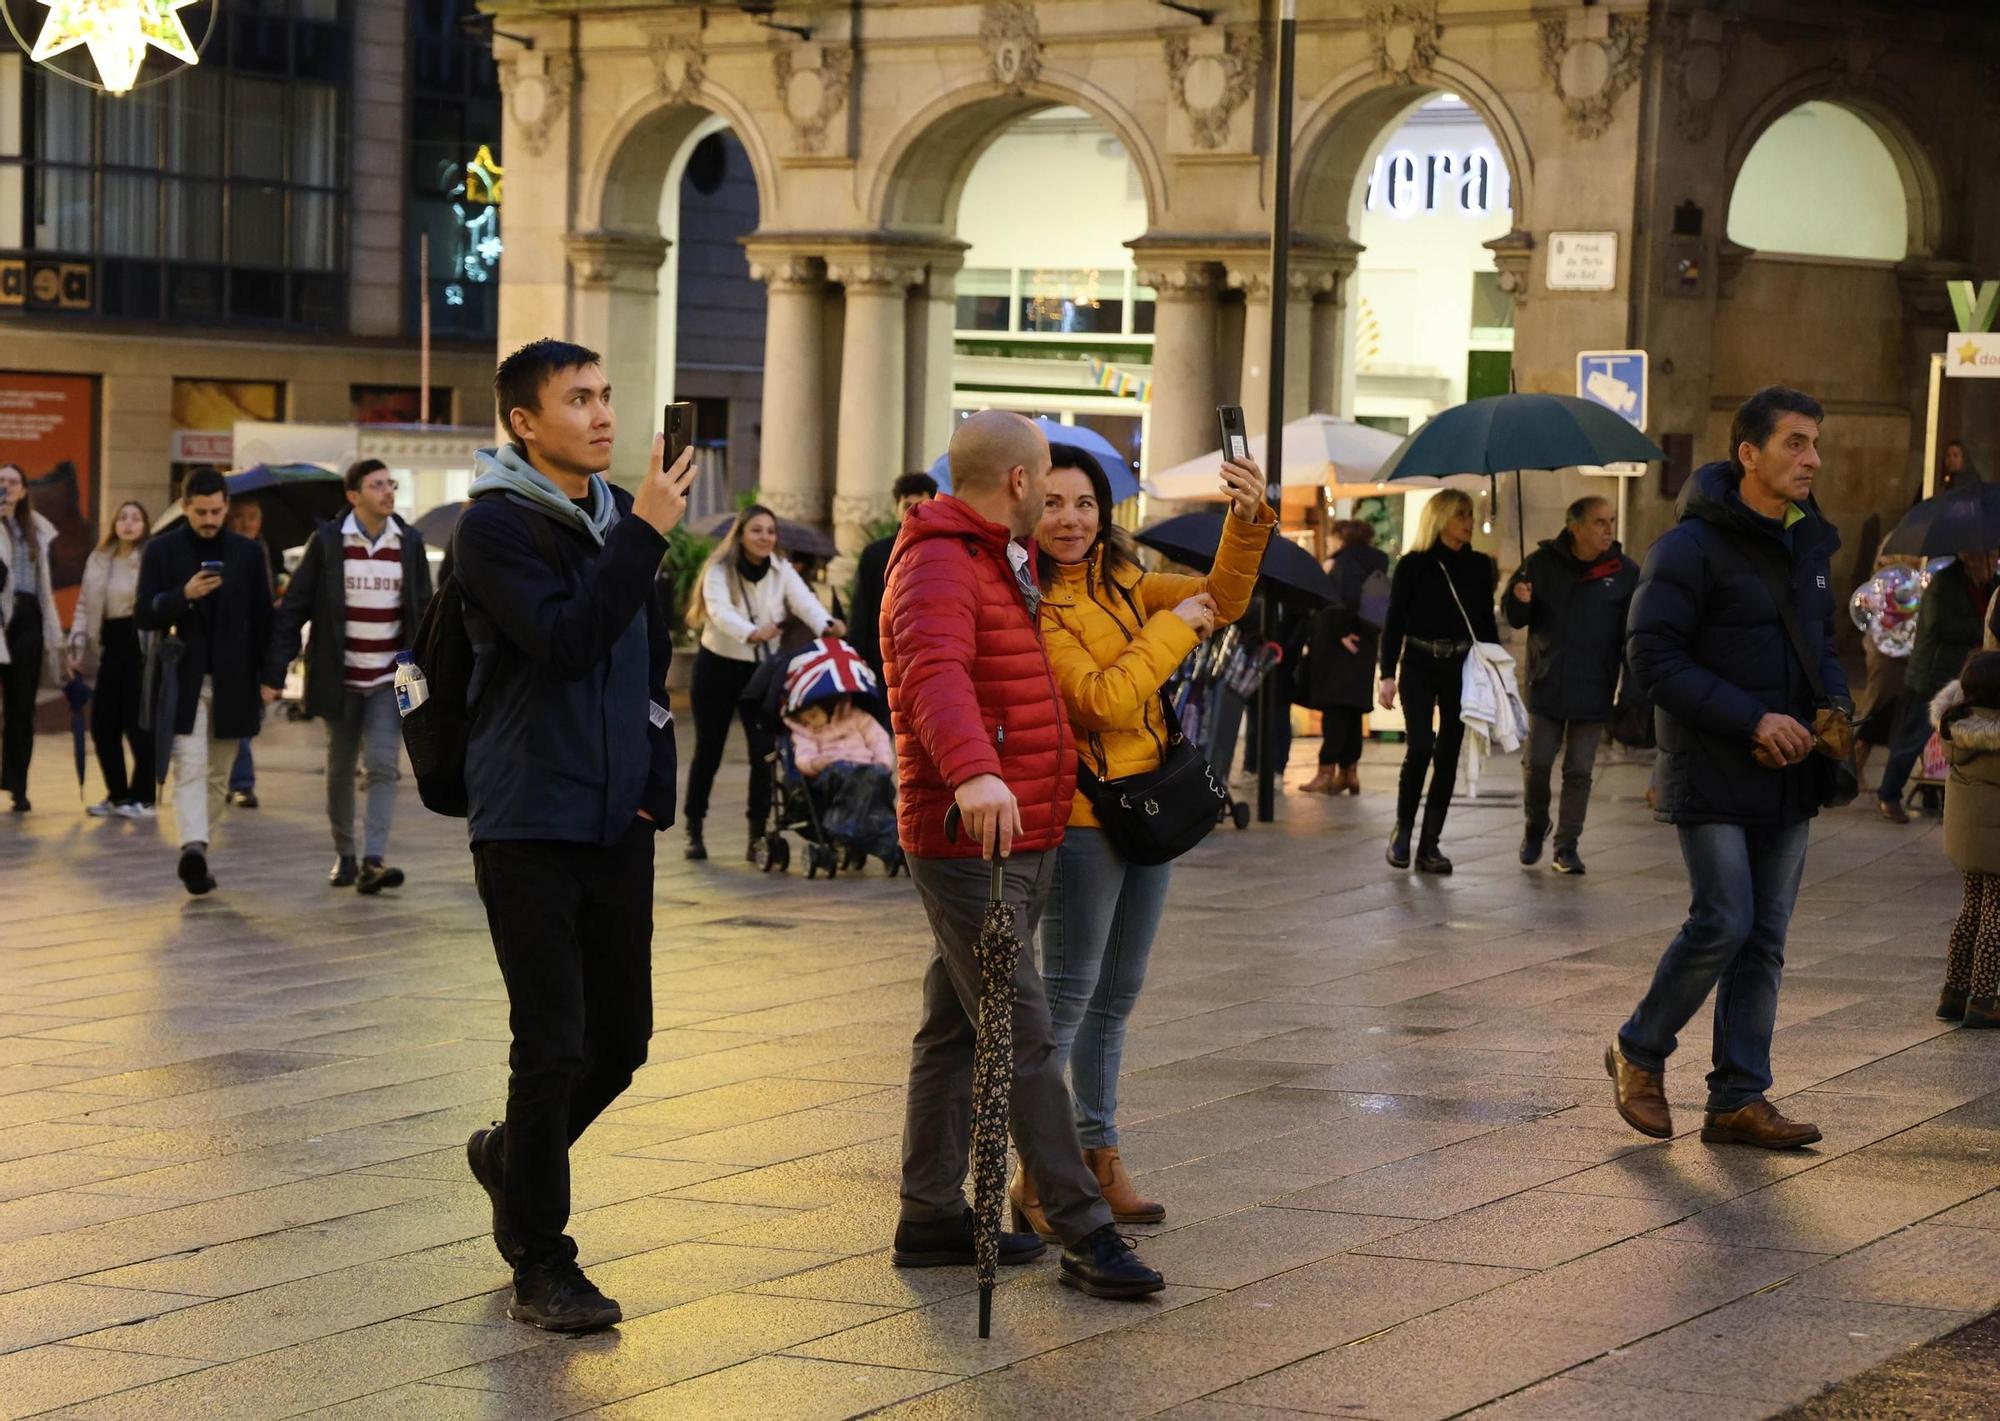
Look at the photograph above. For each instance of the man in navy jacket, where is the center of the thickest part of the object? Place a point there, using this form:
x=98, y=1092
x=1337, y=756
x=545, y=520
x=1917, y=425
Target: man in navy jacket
x=1710, y=645
x=569, y=773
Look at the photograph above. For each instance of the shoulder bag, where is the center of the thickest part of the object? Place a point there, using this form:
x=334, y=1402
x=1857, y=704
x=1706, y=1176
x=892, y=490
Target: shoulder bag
x=1156, y=816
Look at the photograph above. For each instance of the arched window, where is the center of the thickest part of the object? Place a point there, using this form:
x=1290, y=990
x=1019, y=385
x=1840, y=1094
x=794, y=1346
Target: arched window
x=1820, y=182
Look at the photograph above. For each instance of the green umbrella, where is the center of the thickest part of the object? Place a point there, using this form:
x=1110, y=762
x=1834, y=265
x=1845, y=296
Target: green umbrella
x=1517, y=434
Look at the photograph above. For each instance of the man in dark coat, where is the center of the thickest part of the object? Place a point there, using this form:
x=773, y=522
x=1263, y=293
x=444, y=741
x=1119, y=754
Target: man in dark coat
x=1572, y=594
x=223, y=620
x=363, y=584
x=1950, y=627
x=1338, y=677
x=1731, y=602
x=864, y=631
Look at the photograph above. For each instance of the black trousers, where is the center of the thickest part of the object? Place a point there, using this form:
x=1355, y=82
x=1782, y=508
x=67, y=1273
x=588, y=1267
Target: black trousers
x=114, y=715
x=572, y=928
x=1429, y=683
x=1340, y=737
x=20, y=678
x=716, y=691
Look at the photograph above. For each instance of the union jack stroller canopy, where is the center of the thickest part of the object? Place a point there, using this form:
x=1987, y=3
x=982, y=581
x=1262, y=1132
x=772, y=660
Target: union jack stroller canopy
x=827, y=668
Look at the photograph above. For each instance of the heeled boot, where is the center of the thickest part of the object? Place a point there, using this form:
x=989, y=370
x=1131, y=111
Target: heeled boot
x=1128, y=1206
x=1350, y=778
x=1028, y=1215
x=1325, y=782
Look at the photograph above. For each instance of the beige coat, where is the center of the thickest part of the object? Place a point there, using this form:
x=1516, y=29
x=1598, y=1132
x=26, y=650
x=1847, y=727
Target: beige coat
x=43, y=588
x=1972, y=793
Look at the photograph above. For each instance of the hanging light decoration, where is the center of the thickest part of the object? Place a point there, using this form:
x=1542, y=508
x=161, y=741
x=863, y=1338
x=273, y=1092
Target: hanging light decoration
x=117, y=33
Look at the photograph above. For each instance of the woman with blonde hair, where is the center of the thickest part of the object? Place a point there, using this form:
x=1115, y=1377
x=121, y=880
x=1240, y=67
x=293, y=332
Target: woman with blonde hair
x=746, y=594
x=1440, y=602
x=104, y=643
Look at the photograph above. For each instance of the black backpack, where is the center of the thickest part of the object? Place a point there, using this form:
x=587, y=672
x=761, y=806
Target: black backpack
x=437, y=732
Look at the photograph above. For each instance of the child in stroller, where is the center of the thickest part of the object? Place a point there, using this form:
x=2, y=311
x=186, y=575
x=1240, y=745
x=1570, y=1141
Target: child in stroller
x=833, y=767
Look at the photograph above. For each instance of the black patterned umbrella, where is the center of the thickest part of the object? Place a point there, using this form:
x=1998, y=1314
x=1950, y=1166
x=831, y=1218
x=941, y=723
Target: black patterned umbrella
x=998, y=952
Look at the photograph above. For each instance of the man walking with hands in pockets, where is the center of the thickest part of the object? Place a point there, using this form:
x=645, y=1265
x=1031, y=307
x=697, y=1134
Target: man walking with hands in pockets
x=979, y=725
x=569, y=773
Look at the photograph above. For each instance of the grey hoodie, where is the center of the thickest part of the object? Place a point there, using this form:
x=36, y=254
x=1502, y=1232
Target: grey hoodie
x=506, y=470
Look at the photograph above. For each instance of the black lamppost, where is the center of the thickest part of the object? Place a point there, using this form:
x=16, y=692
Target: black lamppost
x=1269, y=705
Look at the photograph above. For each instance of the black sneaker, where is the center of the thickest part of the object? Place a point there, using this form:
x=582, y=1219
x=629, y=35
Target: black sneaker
x=243, y=798
x=556, y=1297
x=947, y=1243
x=375, y=877
x=193, y=871
x=487, y=1172
x=1566, y=859
x=1531, y=845
x=343, y=872
x=1103, y=1265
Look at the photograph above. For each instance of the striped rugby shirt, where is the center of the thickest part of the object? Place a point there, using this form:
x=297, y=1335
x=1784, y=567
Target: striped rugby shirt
x=373, y=574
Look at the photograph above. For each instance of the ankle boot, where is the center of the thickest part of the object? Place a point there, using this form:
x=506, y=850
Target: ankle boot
x=696, y=849
x=1028, y=1215
x=1982, y=1012
x=1127, y=1205
x=1399, y=846
x=1350, y=778
x=1325, y=782
x=1951, y=1004
x=1431, y=859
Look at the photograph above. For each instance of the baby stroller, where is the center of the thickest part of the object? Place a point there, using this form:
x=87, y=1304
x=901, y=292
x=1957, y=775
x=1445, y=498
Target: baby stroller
x=1220, y=679
x=846, y=814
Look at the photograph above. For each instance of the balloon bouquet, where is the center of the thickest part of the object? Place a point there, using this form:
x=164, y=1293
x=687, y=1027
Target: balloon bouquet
x=1885, y=607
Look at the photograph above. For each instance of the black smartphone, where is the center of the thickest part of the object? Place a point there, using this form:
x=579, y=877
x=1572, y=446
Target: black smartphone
x=1235, y=436
x=212, y=568
x=680, y=431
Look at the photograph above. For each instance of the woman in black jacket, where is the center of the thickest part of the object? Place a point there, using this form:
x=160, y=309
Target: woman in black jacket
x=1440, y=602
x=1340, y=658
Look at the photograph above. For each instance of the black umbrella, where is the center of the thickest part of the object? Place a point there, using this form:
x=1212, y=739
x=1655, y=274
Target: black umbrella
x=296, y=499
x=1518, y=434
x=795, y=539
x=77, y=692
x=1960, y=521
x=1288, y=571
x=439, y=524
x=163, y=706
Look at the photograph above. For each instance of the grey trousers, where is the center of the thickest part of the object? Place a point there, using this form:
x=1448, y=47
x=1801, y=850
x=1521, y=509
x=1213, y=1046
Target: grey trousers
x=368, y=730
x=937, y=1130
x=1577, y=742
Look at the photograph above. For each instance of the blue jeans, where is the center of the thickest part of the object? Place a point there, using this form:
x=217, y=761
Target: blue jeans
x=1744, y=883
x=1906, y=747
x=243, y=770
x=369, y=730
x=1097, y=934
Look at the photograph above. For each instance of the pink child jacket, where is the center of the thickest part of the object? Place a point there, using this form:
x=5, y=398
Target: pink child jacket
x=852, y=735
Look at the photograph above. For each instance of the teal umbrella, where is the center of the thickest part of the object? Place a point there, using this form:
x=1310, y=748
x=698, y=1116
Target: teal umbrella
x=1518, y=434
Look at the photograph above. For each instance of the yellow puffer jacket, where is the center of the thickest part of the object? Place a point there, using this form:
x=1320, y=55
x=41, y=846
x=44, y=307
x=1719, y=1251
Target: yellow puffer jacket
x=1111, y=661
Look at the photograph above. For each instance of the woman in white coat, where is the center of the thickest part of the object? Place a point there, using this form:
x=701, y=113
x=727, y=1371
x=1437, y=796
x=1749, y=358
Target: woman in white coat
x=106, y=645
x=747, y=593
x=30, y=628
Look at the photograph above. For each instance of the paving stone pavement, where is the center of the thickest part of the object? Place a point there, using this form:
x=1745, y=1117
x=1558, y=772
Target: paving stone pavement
x=231, y=1129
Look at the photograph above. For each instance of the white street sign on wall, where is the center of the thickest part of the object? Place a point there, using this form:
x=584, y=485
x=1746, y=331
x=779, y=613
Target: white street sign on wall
x=1582, y=261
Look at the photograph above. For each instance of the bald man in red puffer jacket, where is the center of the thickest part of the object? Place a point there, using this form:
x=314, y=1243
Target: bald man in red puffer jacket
x=979, y=726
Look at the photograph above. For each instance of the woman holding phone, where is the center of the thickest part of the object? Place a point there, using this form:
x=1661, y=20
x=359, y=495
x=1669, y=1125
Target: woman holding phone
x=1115, y=633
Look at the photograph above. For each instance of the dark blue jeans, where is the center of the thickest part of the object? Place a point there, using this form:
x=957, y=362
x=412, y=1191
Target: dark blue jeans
x=1912, y=733
x=1744, y=883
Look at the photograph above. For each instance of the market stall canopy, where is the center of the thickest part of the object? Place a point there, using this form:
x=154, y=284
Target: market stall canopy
x=1322, y=454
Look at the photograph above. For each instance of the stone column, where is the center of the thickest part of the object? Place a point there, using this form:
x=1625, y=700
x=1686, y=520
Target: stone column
x=792, y=464
x=873, y=397
x=615, y=286
x=929, y=325
x=1324, y=393
x=376, y=239
x=1256, y=388
x=1184, y=339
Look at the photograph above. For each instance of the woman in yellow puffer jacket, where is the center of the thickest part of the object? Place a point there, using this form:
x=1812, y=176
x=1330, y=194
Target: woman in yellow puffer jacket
x=1115, y=633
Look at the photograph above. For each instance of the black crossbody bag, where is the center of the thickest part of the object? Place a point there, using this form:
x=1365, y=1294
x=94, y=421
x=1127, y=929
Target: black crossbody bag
x=1155, y=817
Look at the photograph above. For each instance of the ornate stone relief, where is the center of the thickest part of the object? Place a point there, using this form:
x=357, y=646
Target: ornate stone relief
x=1180, y=280
x=1590, y=75
x=1404, y=34
x=537, y=87
x=1512, y=254
x=1210, y=88
x=875, y=271
x=1696, y=67
x=679, y=65
x=1304, y=283
x=787, y=270
x=600, y=258
x=813, y=85
x=1011, y=35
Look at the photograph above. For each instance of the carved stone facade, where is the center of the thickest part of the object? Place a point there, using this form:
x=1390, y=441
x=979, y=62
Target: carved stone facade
x=537, y=87
x=1405, y=36
x=1590, y=73
x=1210, y=85
x=679, y=64
x=813, y=83
x=1011, y=35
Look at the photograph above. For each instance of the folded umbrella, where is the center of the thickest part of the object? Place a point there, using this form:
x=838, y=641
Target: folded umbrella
x=794, y=539
x=1962, y=520
x=1288, y=572
x=162, y=706
x=77, y=692
x=1124, y=483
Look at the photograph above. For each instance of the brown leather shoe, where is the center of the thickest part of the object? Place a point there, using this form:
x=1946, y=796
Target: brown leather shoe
x=1325, y=782
x=1759, y=1124
x=1127, y=1206
x=1641, y=1096
x=1892, y=810
x=1028, y=1213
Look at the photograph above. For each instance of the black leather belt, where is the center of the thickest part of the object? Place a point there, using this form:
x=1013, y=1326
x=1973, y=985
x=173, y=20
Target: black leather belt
x=1442, y=650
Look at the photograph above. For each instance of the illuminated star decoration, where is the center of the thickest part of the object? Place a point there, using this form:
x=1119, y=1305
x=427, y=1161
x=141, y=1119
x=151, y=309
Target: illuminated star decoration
x=117, y=33
x=1968, y=354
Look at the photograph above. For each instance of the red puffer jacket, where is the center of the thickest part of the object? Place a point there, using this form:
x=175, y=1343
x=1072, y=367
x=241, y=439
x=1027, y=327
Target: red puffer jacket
x=971, y=691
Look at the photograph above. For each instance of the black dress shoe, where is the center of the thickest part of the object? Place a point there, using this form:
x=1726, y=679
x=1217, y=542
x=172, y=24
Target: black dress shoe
x=1951, y=1004
x=21, y=805
x=376, y=876
x=1103, y=1265
x=1430, y=860
x=193, y=871
x=487, y=1171
x=556, y=1297
x=1531, y=846
x=243, y=798
x=343, y=872
x=947, y=1243
x=1567, y=860
x=1399, y=847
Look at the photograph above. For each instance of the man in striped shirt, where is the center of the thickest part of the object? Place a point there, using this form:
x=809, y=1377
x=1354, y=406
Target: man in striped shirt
x=363, y=584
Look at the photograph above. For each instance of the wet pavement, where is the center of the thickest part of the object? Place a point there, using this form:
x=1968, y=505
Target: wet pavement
x=232, y=1180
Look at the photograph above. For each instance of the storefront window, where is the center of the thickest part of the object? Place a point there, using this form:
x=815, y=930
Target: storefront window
x=985, y=298
x=457, y=181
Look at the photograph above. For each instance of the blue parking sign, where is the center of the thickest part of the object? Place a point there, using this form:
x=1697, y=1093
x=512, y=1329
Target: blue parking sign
x=1615, y=379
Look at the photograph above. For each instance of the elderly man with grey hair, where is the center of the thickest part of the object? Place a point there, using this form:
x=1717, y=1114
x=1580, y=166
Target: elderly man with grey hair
x=1572, y=594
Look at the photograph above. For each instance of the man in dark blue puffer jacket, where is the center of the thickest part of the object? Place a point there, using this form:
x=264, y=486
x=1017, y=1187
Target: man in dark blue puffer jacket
x=1709, y=643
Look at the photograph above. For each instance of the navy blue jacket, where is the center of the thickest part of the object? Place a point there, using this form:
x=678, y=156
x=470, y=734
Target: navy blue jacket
x=1576, y=628
x=570, y=657
x=1710, y=649
x=225, y=632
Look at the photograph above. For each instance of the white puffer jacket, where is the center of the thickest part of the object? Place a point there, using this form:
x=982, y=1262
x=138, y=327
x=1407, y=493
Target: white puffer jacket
x=736, y=607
